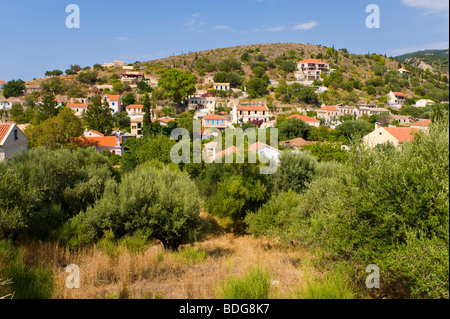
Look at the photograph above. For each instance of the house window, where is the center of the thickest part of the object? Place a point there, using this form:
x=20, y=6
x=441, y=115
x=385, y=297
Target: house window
x=15, y=135
x=207, y=121
x=222, y=122
x=112, y=103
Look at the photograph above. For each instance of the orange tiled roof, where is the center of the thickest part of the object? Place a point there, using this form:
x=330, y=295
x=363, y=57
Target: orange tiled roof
x=3, y=82
x=303, y=118
x=330, y=108
x=402, y=134
x=4, y=129
x=229, y=150
x=214, y=117
x=135, y=106
x=77, y=105
x=422, y=123
x=400, y=94
x=96, y=141
x=112, y=97
x=313, y=61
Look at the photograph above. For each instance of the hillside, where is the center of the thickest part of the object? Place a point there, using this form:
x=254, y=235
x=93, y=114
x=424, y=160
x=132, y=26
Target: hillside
x=435, y=60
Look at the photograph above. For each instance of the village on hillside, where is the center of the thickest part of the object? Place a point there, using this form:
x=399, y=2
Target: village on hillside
x=301, y=91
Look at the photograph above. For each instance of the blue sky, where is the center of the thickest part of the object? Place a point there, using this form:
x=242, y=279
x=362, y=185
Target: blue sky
x=35, y=38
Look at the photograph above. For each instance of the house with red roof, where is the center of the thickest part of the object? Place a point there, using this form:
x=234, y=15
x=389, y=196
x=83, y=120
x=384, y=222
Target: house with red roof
x=12, y=141
x=249, y=113
x=311, y=70
x=111, y=143
x=394, y=135
x=396, y=99
x=330, y=113
x=114, y=101
x=134, y=109
x=309, y=120
x=422, y=125
x=2, y=84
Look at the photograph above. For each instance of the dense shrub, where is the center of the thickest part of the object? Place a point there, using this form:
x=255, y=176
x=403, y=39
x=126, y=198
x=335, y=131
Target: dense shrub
x=164, y=202
x=41, y=189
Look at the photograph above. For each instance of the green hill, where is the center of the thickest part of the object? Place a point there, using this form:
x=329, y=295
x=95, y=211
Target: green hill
x=435, y=60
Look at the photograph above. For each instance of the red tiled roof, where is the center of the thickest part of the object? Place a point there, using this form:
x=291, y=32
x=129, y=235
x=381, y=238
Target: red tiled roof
x=330, y=108
x=96, y=141
x=422, y=123
x=252, y=108
x=3, y=82
x=400, y=94
x=4, y=129
x=135, y=106
x=258, y=146
x=402, y=134
x=77, y=105
x=139, y=119
x=112, y=97
x=313, y=61
x=214, y=117
x=303, y=118
x=229, y=150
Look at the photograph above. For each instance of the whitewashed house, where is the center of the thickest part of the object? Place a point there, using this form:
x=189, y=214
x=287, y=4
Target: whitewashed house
x=12, y=141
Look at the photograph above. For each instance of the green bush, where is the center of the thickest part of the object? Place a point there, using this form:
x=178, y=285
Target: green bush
x=192, y=255
x=295, y=172
x=164, y=202
x=41, y=189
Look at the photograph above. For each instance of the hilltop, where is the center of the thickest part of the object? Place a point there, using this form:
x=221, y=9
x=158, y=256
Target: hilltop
x=435, y=60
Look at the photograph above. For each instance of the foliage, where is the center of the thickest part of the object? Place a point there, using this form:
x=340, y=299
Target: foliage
x=99, y=117
x=41, y=189
x=165, y=203
x=295, y=172
x=177, y=84
x=293, y=128
x=13, y=88
x=56, y=132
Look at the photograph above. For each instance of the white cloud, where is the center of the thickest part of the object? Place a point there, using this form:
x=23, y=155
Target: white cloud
x=305, y=26
x=276, y=29
x=221, y=27
x=432, y=5
x=430, y=46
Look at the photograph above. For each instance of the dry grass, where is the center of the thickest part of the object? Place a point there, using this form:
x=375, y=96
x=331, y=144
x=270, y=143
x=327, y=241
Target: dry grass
x=155, y=273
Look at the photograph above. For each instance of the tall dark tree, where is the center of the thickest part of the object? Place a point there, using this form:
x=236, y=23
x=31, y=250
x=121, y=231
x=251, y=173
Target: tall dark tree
x=147, y=110
x=99, y=116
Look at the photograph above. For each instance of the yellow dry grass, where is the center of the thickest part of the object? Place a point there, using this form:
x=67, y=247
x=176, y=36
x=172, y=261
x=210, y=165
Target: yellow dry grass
x=155, y=273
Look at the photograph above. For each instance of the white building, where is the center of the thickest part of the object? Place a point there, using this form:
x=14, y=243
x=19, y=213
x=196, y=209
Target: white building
x=79, y=109
x=202, y=102
x=424, y=103
x=114, y=101
x=249, y=113
x=396, y=99
x=12, y=141
x=310, y=70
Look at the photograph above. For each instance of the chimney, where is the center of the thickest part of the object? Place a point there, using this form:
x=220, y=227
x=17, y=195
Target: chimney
x=376, y=125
